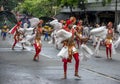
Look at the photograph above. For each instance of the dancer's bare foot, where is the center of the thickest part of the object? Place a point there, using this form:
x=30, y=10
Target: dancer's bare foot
x=76, y=75
x=23, y=48
x=12, y=48
x=35, y=60
x=65, y=77
x=110, y=58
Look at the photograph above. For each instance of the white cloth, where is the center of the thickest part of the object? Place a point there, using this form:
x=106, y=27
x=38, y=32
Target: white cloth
x=85, y=53
x=118, y=28
x=34, y=22
x=97, y=30
x=63, y=52
x=117, y=43
x=62, y=35
x=100, y=32
x=113, y=49
x=97, y=48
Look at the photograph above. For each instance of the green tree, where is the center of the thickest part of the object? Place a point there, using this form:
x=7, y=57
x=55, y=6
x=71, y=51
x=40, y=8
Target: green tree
x=70, y=4
x=38, y=8
x=46, y=7
x=82, y=4
x=104, y=2
x=73, y=4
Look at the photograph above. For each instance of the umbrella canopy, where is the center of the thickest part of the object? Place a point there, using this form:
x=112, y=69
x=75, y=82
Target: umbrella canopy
x=8, y=18
x=46, y=19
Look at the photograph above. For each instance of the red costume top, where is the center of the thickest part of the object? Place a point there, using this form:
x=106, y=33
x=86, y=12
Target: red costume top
x=17, y=36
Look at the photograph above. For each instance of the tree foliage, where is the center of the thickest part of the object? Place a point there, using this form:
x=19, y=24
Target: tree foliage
x=104, y=2
x=46, y=7
x=69, y=2
x=74, y=3
x=38, y=7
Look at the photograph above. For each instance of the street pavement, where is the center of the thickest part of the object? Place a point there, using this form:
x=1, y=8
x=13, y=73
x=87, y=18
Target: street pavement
x=17, y=66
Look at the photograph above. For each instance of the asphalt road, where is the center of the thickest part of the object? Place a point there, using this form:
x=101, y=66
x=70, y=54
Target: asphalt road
x=17, y=67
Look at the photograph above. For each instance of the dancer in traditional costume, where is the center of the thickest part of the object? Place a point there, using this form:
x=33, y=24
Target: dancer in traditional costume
x=17, y=38
x=79, y=29
x=72, y=20
x=17, y=26
x=72, y=51
x=108, y=41
x=37, y=45
x=37, y=41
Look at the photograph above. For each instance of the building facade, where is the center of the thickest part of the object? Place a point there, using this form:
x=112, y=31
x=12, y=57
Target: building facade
x=95, y=12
